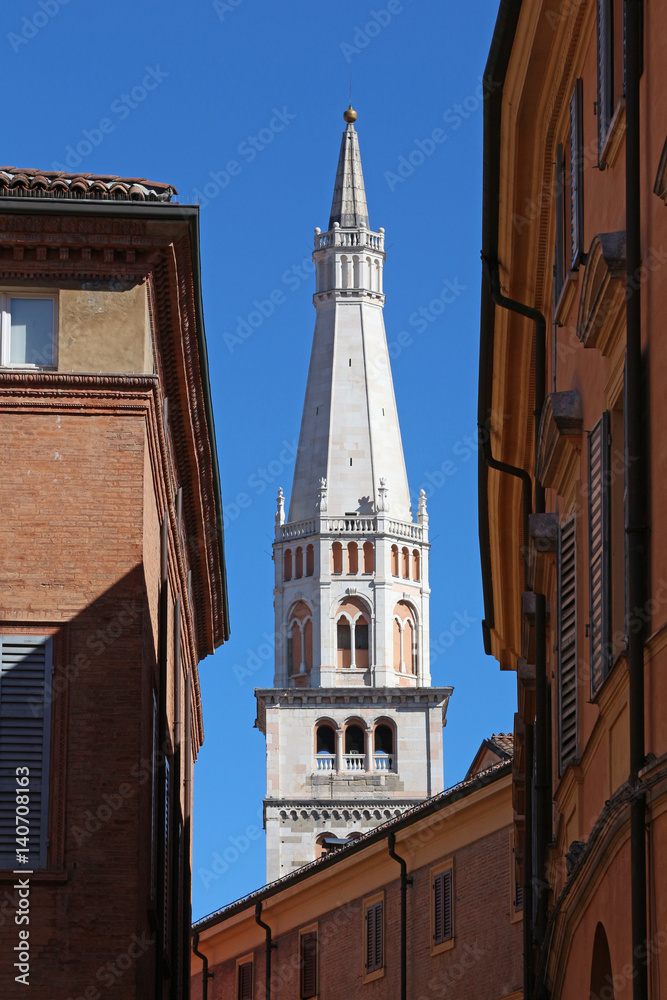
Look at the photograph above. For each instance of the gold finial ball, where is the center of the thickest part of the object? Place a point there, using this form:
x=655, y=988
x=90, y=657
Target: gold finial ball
x=350, y=115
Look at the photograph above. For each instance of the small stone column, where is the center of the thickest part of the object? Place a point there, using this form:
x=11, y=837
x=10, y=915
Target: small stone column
x=339, y=750
x=368, y=735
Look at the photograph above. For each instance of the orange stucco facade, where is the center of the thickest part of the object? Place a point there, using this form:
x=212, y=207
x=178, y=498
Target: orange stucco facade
x=557, y=244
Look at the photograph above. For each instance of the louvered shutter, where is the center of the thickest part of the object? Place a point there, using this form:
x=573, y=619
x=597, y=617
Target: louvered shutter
x=308, y=965
x=442, y=907
x=599, y=549
x=605, y=55
x=567, y=643
x=25, y=729
x=374, y=933
x=559, y=265
x=245, y=981
x=576, y=174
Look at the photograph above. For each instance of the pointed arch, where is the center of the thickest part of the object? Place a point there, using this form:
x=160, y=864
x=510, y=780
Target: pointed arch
x=406, y=643
x=353, y=620
x=602, y=977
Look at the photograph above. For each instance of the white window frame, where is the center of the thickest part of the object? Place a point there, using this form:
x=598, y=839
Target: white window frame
x=5, y=327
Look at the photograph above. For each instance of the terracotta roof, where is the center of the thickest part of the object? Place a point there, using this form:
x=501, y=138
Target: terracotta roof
x=18, y=182
x=448, y=796
x=504, y=742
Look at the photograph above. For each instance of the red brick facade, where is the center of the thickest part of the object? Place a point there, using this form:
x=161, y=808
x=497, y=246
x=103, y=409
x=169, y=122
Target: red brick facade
x=93, y=467
x=470, y=832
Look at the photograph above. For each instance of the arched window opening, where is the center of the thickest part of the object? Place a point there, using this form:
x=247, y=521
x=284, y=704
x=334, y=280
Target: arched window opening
x=369, y=557
x=331, y=269
x=355, y=262
x=416, y=569
x=353, y=634
x=378, y=276
x=352, y=557
x=409, y=647
x=354, y=740
x=310, y=560
x=602, y=977
x=325, y=844
x=326, y=738
x=405, y=639
x=394, y=560
x=320, y=274
x=405, y=563
x=296, y=650
x=298, y=563
x=308, y=646
x=336, y=558
x=288, y=565
x=344, y=643
x=384, y=738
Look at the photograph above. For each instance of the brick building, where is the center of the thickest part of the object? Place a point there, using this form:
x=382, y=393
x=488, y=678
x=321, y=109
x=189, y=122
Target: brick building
x=423, y=906
x=572, y=405
x=113, y=581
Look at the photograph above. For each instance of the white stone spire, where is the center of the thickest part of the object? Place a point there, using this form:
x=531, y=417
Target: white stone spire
x=353, y=727
x=350, y=433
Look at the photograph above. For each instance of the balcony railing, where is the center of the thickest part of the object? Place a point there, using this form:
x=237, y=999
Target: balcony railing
x=355, y=762
x=351, y=525
x=325, y=762
x=349, y=238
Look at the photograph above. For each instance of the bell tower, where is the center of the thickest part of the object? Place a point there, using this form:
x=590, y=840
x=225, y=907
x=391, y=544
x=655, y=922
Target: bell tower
x=353, y=728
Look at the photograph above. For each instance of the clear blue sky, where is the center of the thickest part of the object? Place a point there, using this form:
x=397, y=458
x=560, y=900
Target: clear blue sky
x=185, y=88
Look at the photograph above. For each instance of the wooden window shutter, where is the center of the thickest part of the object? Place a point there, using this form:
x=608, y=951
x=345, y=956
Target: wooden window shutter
x=245, y=981
x=577, y=174
x=567, y=643
x=559, y=264
x=374, y=937
x=605, y=53
x=599, y=550
x=442, y=907
x=26, y=664
x=309, y=965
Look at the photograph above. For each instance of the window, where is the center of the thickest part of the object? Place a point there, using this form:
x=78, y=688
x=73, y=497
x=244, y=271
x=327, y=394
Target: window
x=298, y=563
x=405, y=563
x=415, y=565
x=567, y=643
x=308, y=964
x=244, y=978
x=336, y=558
x=326, y=739
x=28, y=324
x=25, y=731
x=288, y=565
x=605, y=56
x=354, y=740
x=369, y=557
x=361, y=636
x=384, y=738
x=374, y=937
x=599, y=550
x=394, y=560
x=577, y=174
x=559, y=257
x=310, y=560
x=442, y=906
x=352, y=557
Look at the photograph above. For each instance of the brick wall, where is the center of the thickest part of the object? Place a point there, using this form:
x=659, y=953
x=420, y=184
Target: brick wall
x=485, y=960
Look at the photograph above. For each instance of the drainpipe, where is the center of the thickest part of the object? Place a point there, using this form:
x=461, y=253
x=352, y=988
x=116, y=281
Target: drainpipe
x=406, y=880
x=636, y=509
x=269, y=946
x=206, y=975
x=542, y=782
